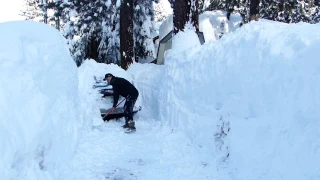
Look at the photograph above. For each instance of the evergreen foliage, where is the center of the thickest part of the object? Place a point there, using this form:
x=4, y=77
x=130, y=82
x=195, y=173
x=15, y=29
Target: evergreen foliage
x=143, y=29
x=32, y=10
x=92, y=28
x=160, y=11
x=287, y=11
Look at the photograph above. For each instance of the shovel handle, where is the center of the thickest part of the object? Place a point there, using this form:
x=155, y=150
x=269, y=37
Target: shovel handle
x=111, y=110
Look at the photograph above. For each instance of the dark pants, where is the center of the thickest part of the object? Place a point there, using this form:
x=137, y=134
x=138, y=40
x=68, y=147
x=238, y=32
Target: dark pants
x=128, y=107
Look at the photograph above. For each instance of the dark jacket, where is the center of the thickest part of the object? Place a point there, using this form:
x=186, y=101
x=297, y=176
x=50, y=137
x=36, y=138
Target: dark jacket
x=123, y=88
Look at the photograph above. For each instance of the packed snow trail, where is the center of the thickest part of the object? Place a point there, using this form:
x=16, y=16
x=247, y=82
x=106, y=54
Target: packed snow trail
x=108, y=153
x=154, y=151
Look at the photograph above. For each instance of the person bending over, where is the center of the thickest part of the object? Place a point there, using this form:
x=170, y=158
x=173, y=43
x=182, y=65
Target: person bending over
x=122, y=87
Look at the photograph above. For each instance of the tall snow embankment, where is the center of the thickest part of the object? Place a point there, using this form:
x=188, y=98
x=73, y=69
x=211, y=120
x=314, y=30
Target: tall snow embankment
x=38, y=101
x=257, y=93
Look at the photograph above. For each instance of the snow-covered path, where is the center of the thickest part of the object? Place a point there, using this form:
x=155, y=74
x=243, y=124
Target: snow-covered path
x=154, y=151
x=107, y=152
x=150, y=153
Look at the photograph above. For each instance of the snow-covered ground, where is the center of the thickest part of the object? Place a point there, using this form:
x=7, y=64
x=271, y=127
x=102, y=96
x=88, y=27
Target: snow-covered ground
x=244, y=108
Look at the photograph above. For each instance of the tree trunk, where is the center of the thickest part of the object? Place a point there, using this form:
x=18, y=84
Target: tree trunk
x=180, y=15
x=254, y=10
x=185, y=11
x=126, y=33
x=44, y=6
x=195, y=14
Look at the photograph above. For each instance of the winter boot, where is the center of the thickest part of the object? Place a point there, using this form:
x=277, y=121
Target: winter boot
x=131, y=125
x=125, y=126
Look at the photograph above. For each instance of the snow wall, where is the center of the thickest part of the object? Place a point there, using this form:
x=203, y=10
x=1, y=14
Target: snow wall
x=38, y=101
x=259, y=100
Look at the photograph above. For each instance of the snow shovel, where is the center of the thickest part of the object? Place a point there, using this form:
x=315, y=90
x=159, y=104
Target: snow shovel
x=110, y=111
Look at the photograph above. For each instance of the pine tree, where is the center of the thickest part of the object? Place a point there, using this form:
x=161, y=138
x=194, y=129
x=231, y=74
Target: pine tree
x=160, y=12
x=185, y=11
x=93, y=30
x=51, y=12
x=126, y=33
x=32, y=11
x=315, y=12
x=194, y=14
x=143, y=29
x=271, y=10
x=300, y=13
x=288, y=11
x=109, y=48
x=83, y=31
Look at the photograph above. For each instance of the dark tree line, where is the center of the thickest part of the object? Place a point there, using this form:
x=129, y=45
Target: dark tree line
x=121, y=33
x=93, y=28
x=185, y=11
x=287, y=11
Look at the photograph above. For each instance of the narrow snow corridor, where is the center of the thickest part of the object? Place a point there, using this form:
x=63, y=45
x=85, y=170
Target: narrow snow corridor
x=108, y=153
x=154, y=151
x=243, y=108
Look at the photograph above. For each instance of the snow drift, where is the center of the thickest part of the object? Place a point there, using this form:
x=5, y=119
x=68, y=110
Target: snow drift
x=255, y=92
x=213, y=24
x=38, y=96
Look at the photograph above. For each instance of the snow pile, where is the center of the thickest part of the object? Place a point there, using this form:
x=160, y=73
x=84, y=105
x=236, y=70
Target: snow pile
x=213, y=24
x=38, y=101
x=179, y=44
x=256, y=93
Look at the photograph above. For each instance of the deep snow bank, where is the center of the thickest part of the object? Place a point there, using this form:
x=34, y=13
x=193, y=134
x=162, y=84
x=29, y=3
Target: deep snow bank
x=89, y=96
x=263, y=80
x=38, y=101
